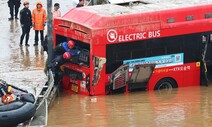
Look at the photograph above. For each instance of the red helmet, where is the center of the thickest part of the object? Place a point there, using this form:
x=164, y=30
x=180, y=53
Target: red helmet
x=66, y=55
x=71, y=44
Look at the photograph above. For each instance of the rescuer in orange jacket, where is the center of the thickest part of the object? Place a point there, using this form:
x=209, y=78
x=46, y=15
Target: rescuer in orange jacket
x=39, y=21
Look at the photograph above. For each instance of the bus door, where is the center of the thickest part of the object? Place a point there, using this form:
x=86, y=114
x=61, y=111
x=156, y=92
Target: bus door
x=119, y=77
x=206, y=68
x=140, y=76
x=206, y=59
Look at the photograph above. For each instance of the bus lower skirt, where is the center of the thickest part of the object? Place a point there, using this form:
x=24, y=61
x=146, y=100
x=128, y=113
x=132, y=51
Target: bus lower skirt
x=137, y=86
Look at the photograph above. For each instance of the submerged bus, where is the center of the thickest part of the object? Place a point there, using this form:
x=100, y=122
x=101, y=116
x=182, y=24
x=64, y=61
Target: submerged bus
x=138, y=45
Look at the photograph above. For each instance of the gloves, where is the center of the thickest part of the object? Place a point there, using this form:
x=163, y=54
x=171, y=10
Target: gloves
x=44, y=24
x=22, y=25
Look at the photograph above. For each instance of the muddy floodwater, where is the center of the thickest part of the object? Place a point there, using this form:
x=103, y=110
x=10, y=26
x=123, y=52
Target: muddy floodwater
x=183, y=107
x=23, y=67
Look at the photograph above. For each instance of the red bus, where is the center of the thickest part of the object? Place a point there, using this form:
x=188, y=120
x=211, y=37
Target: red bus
x=141, y=46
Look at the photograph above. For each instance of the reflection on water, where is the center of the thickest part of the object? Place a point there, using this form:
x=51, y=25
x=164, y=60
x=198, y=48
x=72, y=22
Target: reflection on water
x=18, y=64
x=183, y=107
x=24, y=53
x=14, y=26
x=39, y=58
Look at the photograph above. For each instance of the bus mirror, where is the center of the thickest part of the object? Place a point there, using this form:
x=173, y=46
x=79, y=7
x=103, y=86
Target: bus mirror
x=204, y=38
x=210, y=38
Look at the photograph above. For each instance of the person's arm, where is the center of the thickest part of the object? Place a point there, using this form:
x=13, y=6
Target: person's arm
x=33, y=18
x=58, y=49
x=21, y=17
x=30, y=15
x=9, y=3
x=44, y=16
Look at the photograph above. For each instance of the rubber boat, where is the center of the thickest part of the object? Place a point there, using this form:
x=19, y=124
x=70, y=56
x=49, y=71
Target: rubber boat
x=16, y=105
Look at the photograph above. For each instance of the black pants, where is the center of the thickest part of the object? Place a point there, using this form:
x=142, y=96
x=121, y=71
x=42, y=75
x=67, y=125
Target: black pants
x=12, y=6
x=25, y=31
x=36, y=36
x=44, y=43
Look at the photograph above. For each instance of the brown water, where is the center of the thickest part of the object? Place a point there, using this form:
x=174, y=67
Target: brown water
x=183, y=107
x=23, y=66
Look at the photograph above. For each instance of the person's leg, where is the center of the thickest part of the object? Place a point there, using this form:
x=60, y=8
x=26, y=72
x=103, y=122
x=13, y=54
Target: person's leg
x=22, y=36
x=36, y=37
x=58, y=76
x=41, y=35
x=44, y=44
x=16, y=10
x=11, y=11
x=55, y=64
x=27, y=36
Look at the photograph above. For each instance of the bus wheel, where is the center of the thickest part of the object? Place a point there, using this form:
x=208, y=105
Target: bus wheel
x=166, y=83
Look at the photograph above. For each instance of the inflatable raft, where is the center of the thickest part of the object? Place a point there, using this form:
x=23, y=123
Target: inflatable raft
x=16, y=105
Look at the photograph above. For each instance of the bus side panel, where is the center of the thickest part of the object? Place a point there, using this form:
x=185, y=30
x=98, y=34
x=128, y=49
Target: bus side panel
x=156, y=77
x=184, y=75
x=191, y=78
x=99, y=86
x=70, y=87
x=72, y=84
x=185, y=28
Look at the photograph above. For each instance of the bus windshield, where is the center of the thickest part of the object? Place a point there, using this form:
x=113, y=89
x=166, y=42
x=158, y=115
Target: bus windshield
x=84, y=48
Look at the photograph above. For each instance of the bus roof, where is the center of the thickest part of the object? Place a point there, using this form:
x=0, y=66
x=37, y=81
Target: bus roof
x=183, y=2
x=137, y=6
x=90, y=16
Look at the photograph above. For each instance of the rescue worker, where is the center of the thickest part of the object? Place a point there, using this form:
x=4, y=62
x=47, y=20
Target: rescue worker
x=26, y=23
x=56, y=63
x=14, y=4
x=59, y=50
x=81, y=3
x=56, y=11
x=39, y=21
x=66, y=47
x=60, y=60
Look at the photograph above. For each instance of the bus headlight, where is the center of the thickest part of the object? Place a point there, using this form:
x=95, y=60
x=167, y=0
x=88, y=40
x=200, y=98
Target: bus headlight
x=83, y=75
x=82, y=84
